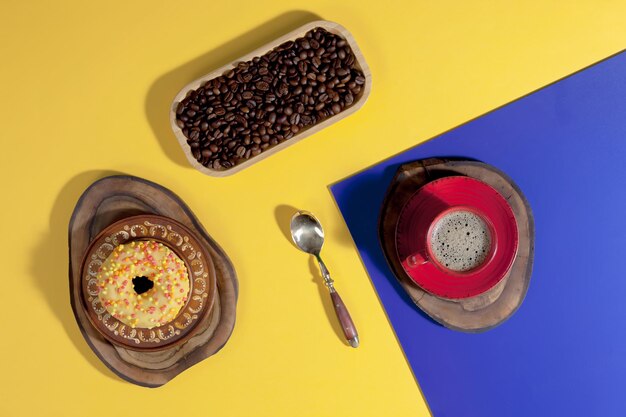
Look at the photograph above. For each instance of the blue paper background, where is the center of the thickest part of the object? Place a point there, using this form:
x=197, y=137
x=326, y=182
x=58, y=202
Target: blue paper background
x=564, y=352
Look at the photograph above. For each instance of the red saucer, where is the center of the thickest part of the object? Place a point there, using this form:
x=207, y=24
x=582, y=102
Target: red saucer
x=426, y=205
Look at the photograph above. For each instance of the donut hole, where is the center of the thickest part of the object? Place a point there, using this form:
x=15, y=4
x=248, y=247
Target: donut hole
x=142, y=284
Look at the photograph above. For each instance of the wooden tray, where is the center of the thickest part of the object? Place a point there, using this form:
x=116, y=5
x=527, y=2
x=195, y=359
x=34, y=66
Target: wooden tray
x=114, y=198
x=358, y=102
x=484, y=311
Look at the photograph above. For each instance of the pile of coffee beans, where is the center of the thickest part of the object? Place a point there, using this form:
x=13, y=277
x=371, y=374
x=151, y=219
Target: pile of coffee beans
x=266, y=101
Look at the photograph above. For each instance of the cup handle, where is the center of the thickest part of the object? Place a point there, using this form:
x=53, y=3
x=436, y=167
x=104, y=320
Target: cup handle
x=414, y=260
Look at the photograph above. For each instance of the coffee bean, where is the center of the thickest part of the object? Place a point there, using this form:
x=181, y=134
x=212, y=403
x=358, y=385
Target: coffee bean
x=262, y=102
x=295, y=118
x=262, y=85
x=241, y=120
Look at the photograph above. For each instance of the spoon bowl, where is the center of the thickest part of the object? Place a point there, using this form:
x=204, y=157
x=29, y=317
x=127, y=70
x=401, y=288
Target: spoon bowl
x=307, y=232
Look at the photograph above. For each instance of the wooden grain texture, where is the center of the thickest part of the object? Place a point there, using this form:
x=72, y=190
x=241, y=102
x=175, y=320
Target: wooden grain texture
x=301, y=31
x=484, y=311
x=109, y=200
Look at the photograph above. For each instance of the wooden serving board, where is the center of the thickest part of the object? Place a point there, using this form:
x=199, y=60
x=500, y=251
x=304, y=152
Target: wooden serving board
x=359, y=101
x=109, y=200
x=484, y=311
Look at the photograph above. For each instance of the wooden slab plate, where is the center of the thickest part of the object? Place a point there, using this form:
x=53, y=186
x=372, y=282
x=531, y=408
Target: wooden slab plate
x=484, y=311
x=118, y=197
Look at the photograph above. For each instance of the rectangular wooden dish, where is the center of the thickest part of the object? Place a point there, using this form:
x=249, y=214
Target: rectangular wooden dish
x=298, y=33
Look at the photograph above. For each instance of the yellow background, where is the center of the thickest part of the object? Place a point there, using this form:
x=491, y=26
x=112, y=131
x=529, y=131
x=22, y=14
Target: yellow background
x=85, y=90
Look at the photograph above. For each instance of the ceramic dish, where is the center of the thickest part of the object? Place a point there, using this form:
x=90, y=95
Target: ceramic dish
x=186, y=246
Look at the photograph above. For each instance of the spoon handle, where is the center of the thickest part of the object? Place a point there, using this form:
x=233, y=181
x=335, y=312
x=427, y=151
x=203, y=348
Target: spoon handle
x=349, y=330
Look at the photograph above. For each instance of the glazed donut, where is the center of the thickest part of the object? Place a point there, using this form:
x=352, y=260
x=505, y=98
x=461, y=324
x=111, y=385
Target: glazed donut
x=143, y=284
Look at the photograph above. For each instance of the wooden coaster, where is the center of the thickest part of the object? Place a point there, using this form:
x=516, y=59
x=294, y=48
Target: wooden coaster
x=482, y=312
x=114, y=198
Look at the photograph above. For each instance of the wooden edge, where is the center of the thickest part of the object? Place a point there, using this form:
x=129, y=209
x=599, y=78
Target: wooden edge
x=214, y=245
x=331, y=27
x=227, y=271
x=531, y=236
x=401, y=176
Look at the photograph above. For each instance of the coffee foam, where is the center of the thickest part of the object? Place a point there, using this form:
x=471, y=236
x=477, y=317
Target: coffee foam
x=460, y=240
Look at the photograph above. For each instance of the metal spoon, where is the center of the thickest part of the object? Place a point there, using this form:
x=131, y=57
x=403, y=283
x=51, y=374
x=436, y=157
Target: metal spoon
x=308, y=235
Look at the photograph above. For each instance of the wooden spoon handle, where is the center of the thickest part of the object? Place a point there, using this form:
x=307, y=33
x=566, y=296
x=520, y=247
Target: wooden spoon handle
x=349, y=330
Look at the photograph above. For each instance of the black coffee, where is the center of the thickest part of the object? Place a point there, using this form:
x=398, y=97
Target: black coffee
x=266, y=101
x=460, y=240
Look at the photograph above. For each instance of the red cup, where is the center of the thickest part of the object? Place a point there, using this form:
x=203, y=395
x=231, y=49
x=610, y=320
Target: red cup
x=417, y=259
x=432, y=203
